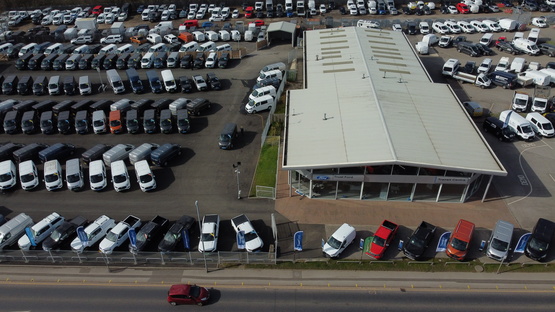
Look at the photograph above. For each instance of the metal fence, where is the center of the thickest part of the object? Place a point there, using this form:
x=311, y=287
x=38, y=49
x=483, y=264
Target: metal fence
x=265, y=192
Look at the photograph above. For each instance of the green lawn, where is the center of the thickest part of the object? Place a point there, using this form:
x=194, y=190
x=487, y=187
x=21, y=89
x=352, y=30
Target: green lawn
x=266, y=169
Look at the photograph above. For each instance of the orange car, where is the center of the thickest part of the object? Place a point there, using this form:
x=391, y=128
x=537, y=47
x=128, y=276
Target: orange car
x=138, y=39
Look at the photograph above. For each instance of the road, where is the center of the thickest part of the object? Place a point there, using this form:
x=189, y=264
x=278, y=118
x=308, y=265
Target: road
x=67, y=297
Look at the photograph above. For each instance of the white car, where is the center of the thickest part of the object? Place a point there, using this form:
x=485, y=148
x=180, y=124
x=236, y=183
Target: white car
x=225, y=12
x=191, y=15
x=493, y=26
x=200, y=14
x=339, y=241
x=95, y=231
x=323, y=9
x=112, y=39
x=353, y=10
x=466, y=27
x=14, y=21
x=82, y=39
x=253, y=242
x=217, y=18
x=101, y=18
x=209, y=233
x=485, y=66
x=122, y=17
x=453, y=27
x=41, y=230
x=540, y=22
x=397, y=27
x=439, y=27
x=362, y=10
x=200, y=83
x=452, y=9
x=170, y=38
x=373, y=11
x=235, y=14
x=145, y=177
x=479, y=26
x=47, y=20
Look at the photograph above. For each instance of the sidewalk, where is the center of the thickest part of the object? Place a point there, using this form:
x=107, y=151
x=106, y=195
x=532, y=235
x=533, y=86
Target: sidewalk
x=238, y=277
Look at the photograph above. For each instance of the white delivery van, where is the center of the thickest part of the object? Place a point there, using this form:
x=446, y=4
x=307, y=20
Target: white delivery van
x=126, y=48
x=259, y=104
x=118, y=152
x=26, y=49
x=28, y=175
x=207, y=46
x=145, y=177
x=211, y=60
x=147, y=60
x=122, y=105
x=224, y=35
x=189, y=46
x=211, y=35
x=259, y=92
x=235, y=35
x=169, y=81
x=276, y=73
x=526, y=46
x=223, y=47
x=84, y=85
x=424, y=28
x=74, y=174
x=521, y=126
x=518, y=64
x=339, y=241
x=120, y=176
x=540, y=78
x=199, y=36
x=540, y=124
x=115, y=81
x=486, y=39
x=53, y=49
x=8, y=177
x=111, y=48
x=99, y=121
x=53, y=175
x=159, y=47
x=281, y=66
x=12, y=230
x=97, y=175
x=430, y=39
x=154, y=38
x=180, y=103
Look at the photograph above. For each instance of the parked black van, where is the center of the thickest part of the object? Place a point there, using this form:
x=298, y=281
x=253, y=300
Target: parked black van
x=95, y=153
x=23, y=61
x=186, y=84
x=60, y=62
x=69, y=85
x=149, y=121
x=161, y=104
x=135, y=81
x=110, y=61
x=64, y=122
x=503, y=79
x=29, y=122
x=59, y=151
x=40, y=86
x=154, y=81
x=196, y=106
x=183, y=124
x=141, y=105
x=538, y=244
x=81, y=105
x=166, y=121
x=47, y=122
x=82, y=122
x=6, y=150
x=132, y=122
x=121, y=63
x=25, y=84
x=43, y=106
x=100, y=105
x=495, y=127
x=11, y=121
x=165, y=153
x=97, y=61
x=85, y=61
x=62, y=106
x=134, y=60
x=24, y=106
x=9, y=86
x=29, y=152
x=48, y=61
x=35, y=62
x=186, y=61
x=228, y=136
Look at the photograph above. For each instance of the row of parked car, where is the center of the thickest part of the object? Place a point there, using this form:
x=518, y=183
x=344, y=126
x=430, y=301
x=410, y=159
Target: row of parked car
x=159, y=234
x=456, y=243
x=97, y=158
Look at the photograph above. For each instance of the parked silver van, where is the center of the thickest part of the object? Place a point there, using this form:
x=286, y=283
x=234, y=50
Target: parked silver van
x=12, y=230
x=74, y=174
x=115, y=81
x=28, y=175
x=142, y=152
x=500, y=241
x=99, y=121
x=53, y=175
x=118, y=152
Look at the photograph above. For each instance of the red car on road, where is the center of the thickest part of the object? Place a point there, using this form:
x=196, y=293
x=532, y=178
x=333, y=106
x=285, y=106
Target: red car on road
x=188, y=294
x=383, y=237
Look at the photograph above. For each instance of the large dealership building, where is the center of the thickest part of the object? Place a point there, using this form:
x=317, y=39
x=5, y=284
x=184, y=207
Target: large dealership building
x=370, y=124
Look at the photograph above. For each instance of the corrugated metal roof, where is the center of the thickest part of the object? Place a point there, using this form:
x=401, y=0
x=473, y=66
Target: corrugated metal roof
x=369, y=101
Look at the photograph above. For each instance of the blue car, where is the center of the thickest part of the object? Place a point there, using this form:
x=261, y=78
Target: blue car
x=141, y=8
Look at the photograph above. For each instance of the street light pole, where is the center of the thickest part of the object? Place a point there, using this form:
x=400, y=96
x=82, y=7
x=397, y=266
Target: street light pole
x=238, y=171
x=202, y=241
x=101, y=82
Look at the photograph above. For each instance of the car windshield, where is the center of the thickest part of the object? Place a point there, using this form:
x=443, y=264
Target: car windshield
x=499, y=245
x=98, y=123
x=56, y=235
x=70, y=178
x=80, y=123
x=251, y=236
x=170, y=238
x=115, y=123
x=526, y=129
x=5, y=177
x=46, y=123
x=225, y=138
x=378, y=241
x=51, y=177
x=120, y=178
x=146, y=178
x=538, y=244
x=28, y=123
x=183, y=122
x=9, y=123
x=166, y=122
x=27, y=177
x=132, y=123
x=417, y=243
x=111, y=236
x=155, y=83
x=459, y=244
x=207, y=237
x=547, y=126
x=149, y=122
x=334, y=243
x=97, y=178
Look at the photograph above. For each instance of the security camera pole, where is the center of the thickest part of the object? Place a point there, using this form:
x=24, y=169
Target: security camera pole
x=237, y=171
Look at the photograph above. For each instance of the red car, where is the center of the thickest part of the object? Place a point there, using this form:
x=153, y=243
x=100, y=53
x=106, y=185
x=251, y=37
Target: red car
x=462, y=8
x=382, y=238
x=188, y=294
x=248, y=12
x=259, y=23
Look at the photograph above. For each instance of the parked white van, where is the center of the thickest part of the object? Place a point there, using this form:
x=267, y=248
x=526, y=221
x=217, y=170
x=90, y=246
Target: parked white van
x=180, y=103
x=8, y=177
x=526, y=46
x=521, y=126
x=12, y=230
x=224, y=35
x=118, y=152
x=517, y=65
x=189, y=46
x=199, y=36
x=99, y=121
x=120, y=176
x=159, y=47
x=540, y=124
x=97, y=175
x=53, y=49
x=207, y=46
x=28, y=175
x=84, y=85
x=223, y=47
x=53, y=175
x=74, y=174
x=500, y=241
x=147, y=60
x=145, y=177
x=26, y=49
x=339, y=241
x=115, y=81
x=259, y=104
x=211, y=60
x=41, y=230
x=169, y=81
x=154, y=38
x=211, y=35
x=281, y=66
x=111, y=48
x=259, y=92
x=540, y=78
x=126, y=48
x=276, y=73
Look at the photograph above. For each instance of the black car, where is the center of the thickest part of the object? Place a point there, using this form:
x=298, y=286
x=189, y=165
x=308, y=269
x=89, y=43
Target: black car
x=199, y=61
x=342, y=10
x=331, y=5
x=468, y=48
x=507, y=47
x=67, y=229
x=419, y=240
x=484, y=49
x=547, y=49
x=186, y=84
x=223, y=60
x=538, y=244
x=213, y=81
x=148, y=233
x=175, y=233
x=498, y=129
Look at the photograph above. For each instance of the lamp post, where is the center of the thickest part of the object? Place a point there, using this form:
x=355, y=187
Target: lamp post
x=237, y=171
x=101, y=82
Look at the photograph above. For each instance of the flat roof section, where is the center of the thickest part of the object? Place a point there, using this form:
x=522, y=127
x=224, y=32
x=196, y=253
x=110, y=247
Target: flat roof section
x=369, y=101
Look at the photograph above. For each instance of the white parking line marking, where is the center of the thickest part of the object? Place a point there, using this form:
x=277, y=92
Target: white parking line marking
x=524, y=176
x=552, y=178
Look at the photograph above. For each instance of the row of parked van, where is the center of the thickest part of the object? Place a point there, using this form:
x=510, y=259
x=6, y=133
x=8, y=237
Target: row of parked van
x=511, y=125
